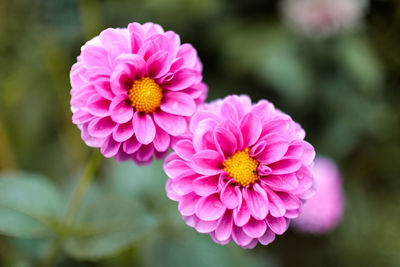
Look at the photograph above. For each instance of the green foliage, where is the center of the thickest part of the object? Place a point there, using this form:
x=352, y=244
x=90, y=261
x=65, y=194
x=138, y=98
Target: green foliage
x=107, y=225
x=360, y=63
x=29, y=205
x=196, y=251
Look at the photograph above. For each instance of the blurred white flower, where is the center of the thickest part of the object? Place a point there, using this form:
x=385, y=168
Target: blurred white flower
x=323, y=18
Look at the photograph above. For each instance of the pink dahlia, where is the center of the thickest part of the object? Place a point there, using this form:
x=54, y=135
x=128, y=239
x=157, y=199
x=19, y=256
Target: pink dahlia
x=243, y=172
x=133, y=89
x=322, y=213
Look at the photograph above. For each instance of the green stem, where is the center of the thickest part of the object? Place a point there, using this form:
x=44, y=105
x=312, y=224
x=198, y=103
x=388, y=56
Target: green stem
x=81, y=189
x=73, y=207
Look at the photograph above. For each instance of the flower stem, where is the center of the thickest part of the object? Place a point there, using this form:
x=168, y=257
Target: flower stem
x=81, y=189
x=72, y=209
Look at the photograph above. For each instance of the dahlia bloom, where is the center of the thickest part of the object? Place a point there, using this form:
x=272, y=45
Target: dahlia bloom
x=133, y=89
x=321, y=18
x=243, y=172
x=322, y=213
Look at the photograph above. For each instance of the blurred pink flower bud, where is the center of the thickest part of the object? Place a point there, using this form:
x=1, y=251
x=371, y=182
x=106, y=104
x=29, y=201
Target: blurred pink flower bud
x=323, y=212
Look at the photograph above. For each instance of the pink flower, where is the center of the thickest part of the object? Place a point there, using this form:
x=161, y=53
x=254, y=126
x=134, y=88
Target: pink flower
x=321, y=18
x=242, y=173
x=322, y=212
x=133, y=89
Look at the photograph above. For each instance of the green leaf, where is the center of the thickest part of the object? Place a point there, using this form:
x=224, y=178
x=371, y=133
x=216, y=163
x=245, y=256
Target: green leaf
x=197, y=250
x=29, y=205
x=283, y=67
x=132, y=181
x=360, y=63
x=106, y=226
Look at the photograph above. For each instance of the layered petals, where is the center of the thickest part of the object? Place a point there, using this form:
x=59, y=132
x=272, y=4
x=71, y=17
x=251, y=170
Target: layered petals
x=133, y=89
x=250, y=171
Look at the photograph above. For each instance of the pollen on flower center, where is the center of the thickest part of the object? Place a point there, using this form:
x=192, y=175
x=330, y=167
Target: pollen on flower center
x=242, y=168
x=145, y=95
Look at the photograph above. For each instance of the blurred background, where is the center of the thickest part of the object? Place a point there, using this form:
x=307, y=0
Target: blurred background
x=335, y=68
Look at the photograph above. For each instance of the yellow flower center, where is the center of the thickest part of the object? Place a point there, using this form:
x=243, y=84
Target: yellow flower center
x=145, y=95
x=242, y=168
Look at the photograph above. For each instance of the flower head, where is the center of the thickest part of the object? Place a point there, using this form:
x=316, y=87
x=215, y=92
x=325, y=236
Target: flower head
x=242, y=173
x=323, y=212
x=321, y=18
x=133, y=89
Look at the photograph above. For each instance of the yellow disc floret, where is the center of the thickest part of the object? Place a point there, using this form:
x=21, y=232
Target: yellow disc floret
x=242, y=168
x=145, y=95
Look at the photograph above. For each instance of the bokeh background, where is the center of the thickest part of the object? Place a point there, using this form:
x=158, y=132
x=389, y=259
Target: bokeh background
x=343, y=86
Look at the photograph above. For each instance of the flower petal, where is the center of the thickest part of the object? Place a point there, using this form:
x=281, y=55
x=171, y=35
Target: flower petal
x=110, y=147
x=145, y=129
x=285, y=182
x=228, y=111
x=145, y=153
x=158, y=64
x=277, y=207
x=81, y=117
x=225, y=141
x=123, y=132
x=256, y=202
x=176, y=167
x=285, y=166
x=263, y=170
x=289, y=201
x=182, y=79
x=189, y=54
x=255, y=228
x=250, y=127
x=210, y=208
x=240, y=237
x=184, y=148
x=277, y=225
x=308, y=154
x=205, y=185
x=203, y=137
x=172, y=124
x=178, y=103
x=120, y=109
x=200, y=116
x=131, y=145
x=162, y=140
x=188, y=203
x=224, y=227
x=205, y=226
x=89, y=139
x=183, y=183
x=232, y=127
x=101, y=127
x=230, y=195
x=122, y=77
x=98, y=106
x=137, y=36
x=135, y=63
x=267, y=238
x=273, y=152
x=242, y=215
x=95, y=56
x=207, y=162
x=305, y=180
x=252, y=244
x=103, y=87
x=170, y=191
